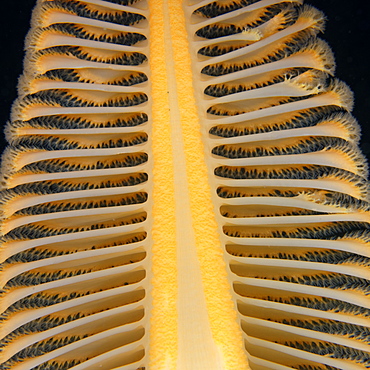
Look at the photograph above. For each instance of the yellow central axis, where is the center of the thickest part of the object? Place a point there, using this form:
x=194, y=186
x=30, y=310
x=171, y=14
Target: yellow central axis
x=194, y=323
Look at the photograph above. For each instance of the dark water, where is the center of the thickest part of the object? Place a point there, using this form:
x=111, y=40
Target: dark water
x=347, y=31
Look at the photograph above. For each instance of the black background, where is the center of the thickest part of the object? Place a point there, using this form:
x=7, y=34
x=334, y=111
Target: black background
x=347, y=31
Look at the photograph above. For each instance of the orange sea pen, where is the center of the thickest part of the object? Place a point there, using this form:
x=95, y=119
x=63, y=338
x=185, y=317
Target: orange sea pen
x=183, y=189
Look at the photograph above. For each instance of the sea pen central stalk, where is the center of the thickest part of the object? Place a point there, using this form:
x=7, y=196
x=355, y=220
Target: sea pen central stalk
x=203, y=310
